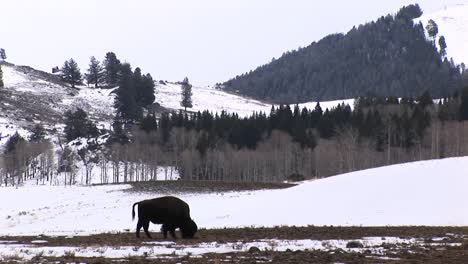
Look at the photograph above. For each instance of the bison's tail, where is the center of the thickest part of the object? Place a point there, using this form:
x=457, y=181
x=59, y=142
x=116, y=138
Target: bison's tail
x=133, y=211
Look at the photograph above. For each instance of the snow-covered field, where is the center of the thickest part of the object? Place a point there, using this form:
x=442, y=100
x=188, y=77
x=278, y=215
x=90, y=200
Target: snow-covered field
x=429, y=193
x=452, y=22
x=421, y=193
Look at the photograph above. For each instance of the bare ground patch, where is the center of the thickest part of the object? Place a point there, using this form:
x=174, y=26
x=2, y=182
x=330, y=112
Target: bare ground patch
x=181, y=186
x=389, y=245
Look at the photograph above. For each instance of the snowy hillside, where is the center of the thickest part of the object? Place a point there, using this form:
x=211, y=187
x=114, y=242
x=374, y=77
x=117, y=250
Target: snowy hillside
x=32, y=96
x=209, y=98
x=453, y=25
x=420, y=193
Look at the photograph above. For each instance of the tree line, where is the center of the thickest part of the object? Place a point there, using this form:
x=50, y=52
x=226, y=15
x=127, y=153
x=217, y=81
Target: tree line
x=288, y=142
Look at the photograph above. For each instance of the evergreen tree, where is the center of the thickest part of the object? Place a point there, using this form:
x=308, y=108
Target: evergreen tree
x=186, y=94
x=118, y=134
x=420, y=121
x=325, y=126
x=410, y=12
x=138, y=83
x=144, y=86
x=425, y=99
x=128, y=110
x=407, y=131
x=3, y=56
x=13, y=142
x=147, y=91
x=164, y=128
x=149, y=123
x=318, y=109
x=111, y=69
x=78, y=125
x=378, y=130
x=71, y=73
x=432, y=30
x=38, y=133
x=95, y=72
x=316, y=115
x=1, y=78
x=464, y=104
x=442, y=46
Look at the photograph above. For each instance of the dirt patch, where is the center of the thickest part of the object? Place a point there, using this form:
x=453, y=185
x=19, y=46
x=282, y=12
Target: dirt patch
x=171, y=187
x=459, y=235
x=421, y=245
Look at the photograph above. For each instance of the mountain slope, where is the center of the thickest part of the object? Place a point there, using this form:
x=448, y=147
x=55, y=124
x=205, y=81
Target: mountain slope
x=31, y=96
x=453, y=25
x=215, y=100
x=388, y=57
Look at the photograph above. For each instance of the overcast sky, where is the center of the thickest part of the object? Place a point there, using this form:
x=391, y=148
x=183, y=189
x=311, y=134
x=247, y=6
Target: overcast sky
x=207, y=40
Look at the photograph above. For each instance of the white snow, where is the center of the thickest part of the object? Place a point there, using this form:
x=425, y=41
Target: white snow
x=422, y=193
x=17, y=80
x=452, y=22
x=96, y=102
x=215, y=100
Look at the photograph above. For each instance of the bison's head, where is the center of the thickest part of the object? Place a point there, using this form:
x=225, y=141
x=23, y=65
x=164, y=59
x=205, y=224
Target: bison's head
x=189, y=230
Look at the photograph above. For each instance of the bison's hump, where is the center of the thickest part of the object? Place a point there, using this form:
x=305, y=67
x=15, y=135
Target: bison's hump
x=162, y=209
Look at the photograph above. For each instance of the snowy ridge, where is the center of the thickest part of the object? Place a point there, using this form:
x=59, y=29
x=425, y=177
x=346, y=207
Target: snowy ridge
x=453, y=25
x=421, y=193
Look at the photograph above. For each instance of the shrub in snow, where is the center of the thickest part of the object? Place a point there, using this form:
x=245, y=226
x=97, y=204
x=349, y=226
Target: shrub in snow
x=296, y=177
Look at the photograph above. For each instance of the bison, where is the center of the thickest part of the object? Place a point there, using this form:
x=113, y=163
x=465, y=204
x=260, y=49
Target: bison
x=169, y=211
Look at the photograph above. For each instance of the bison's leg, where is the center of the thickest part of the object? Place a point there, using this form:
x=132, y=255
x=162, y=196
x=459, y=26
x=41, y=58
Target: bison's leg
x=171, y=229
x=146, y=227
x=138, y=228
x=164, y=230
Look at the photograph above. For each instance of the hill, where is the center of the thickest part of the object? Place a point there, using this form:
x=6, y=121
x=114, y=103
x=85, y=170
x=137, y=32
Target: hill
x=387, y=57
x=421, y=193
x=32, y=96
x=216, y=100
